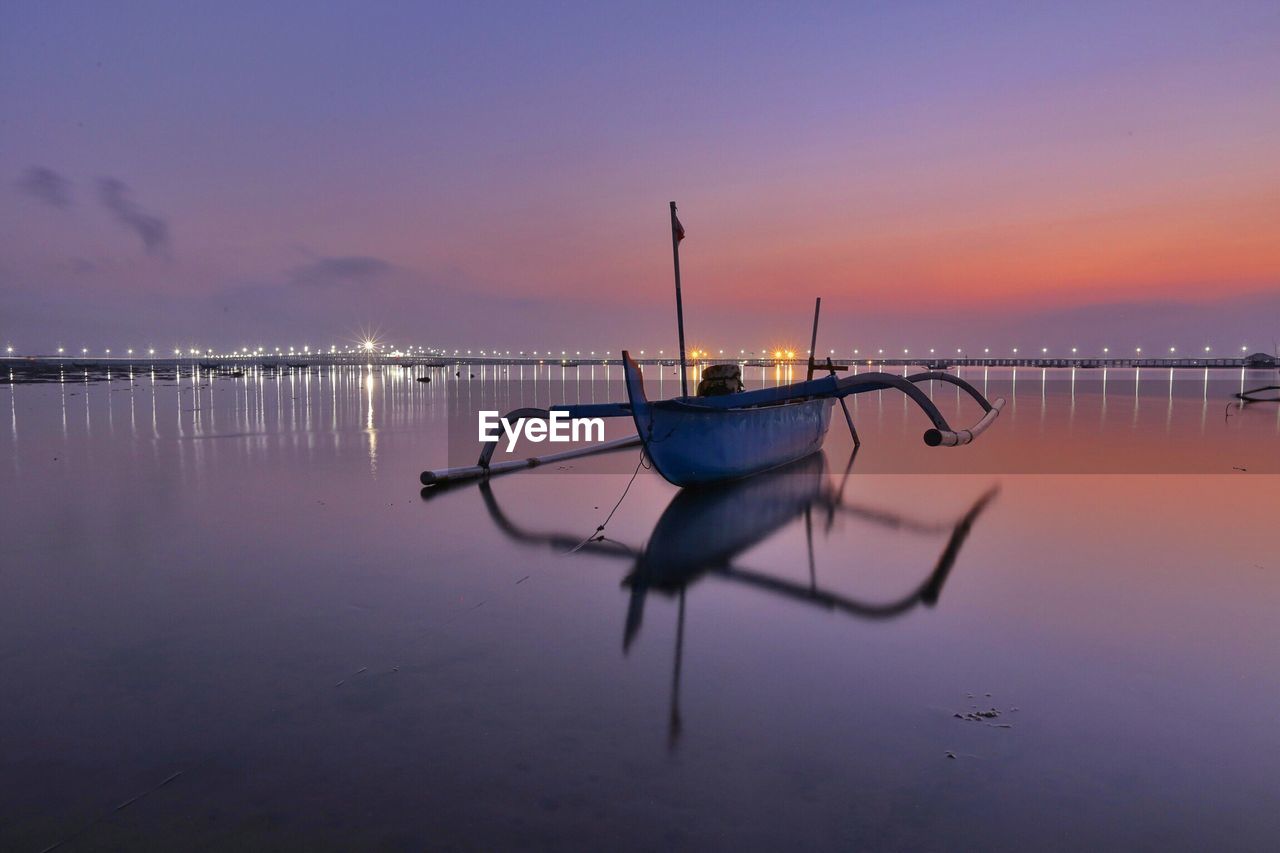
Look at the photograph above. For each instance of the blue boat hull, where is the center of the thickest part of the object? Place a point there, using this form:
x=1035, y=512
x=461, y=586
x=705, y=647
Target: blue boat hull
x=696, y=448
x=694, y=445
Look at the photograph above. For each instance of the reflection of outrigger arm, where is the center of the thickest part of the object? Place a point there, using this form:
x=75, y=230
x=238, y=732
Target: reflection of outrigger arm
x=927, y=593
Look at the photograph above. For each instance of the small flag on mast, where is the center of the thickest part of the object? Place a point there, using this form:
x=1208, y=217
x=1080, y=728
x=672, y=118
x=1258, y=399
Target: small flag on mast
x=676, y=228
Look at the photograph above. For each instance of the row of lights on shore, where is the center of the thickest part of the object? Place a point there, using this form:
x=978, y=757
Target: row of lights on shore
x=369, y=347
x=246, y=352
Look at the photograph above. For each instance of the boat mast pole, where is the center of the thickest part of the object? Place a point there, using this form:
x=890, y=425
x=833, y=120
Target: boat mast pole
x=813, y=339
x=677, y=234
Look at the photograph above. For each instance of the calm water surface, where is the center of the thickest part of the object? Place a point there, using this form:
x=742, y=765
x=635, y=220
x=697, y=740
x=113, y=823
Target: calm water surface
x=229, y=621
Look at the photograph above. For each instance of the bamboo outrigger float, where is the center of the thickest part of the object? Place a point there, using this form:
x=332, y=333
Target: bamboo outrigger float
x=701, y=440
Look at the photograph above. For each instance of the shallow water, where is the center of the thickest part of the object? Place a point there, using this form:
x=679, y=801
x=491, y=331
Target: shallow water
x=229, y=620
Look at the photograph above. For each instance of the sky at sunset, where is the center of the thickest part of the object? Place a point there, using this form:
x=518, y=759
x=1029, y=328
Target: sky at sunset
x=497, y=174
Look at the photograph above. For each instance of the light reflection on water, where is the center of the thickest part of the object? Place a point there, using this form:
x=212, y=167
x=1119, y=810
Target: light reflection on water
x=1178, y=421
x=235, y=580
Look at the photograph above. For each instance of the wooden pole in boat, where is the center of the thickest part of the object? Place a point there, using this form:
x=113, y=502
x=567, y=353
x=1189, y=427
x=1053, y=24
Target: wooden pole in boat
x=677, y=234
x=813, y=339
x=848, y=418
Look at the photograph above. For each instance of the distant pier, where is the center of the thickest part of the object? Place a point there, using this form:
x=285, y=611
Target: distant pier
x=1256, y=361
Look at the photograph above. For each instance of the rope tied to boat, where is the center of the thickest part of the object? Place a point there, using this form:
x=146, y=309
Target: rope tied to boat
x=598, y=533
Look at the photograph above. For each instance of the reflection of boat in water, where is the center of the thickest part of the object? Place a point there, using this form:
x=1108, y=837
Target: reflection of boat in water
x=703, y=532
x=706, y=528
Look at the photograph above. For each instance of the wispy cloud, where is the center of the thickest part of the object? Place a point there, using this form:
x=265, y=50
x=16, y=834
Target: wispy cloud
x=45, y=184
x=151, y=229
x=339, y=271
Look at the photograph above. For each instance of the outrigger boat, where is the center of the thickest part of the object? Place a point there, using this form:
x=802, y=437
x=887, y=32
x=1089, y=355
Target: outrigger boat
x=696, y=440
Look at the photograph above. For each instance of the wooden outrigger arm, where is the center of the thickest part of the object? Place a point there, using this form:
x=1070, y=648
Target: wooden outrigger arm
x=941, y=435
x=483, y=468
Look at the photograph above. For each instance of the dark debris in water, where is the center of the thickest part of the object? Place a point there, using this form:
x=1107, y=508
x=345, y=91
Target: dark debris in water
x=987, y=716
x=978, y=716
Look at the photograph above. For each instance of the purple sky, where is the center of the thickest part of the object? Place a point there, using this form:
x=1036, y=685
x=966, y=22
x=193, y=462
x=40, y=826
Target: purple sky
x=480, y=175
